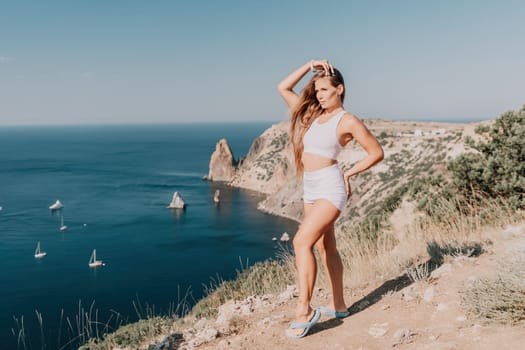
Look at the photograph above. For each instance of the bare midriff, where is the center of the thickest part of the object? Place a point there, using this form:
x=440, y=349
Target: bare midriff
x=313, y=162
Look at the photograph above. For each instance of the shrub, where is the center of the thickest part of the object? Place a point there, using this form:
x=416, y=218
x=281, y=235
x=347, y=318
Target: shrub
x=382, y=135
x=498, y=168
x=500, y=299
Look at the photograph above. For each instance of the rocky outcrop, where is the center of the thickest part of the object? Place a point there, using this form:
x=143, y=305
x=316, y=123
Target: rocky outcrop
x=176, y=202
x=222, y=163
x=267, y=168
x=269, y=163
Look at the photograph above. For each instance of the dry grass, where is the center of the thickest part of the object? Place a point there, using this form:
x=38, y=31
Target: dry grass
x=266, y=277
x=427, y=239
x=90, y=331
x=131, y=334
x=152, y=324
x=419, y=273
x=500, y=299
x=423, y=247
x=237, y=325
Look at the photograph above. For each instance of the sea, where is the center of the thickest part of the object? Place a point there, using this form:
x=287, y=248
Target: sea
x=115, y=182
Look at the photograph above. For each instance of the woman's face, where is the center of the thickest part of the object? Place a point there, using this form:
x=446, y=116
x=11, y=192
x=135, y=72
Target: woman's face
x=327, y=95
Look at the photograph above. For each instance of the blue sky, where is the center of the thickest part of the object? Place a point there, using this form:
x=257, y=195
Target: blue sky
x=96, y=61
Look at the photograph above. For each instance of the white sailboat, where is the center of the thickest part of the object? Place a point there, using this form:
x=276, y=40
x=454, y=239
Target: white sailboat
x=57, y=205
x=93, y=262
x=38, y=253
x=62, y=226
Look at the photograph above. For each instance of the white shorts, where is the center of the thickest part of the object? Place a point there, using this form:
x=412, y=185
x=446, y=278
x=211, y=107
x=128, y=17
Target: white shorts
x=326, y=183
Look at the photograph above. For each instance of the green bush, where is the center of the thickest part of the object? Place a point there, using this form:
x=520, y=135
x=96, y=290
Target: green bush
x=435, y=196
x=498, y=168
x=382, y=135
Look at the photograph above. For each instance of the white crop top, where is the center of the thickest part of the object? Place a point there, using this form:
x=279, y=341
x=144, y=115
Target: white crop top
x=321, y=139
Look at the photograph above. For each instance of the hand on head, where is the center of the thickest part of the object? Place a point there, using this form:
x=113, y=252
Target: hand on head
x=322, y=65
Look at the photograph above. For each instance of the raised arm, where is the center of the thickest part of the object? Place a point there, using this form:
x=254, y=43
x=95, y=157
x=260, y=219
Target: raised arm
x=286, y=86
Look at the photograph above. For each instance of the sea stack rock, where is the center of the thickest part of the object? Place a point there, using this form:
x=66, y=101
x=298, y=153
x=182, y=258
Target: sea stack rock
x=222, y=163
x=176, y=202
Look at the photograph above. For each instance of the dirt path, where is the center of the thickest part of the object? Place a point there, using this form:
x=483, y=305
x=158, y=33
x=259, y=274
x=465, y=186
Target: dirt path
x=398, y=314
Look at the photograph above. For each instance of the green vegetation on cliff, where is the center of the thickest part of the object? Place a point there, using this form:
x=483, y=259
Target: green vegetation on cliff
x=495, y=169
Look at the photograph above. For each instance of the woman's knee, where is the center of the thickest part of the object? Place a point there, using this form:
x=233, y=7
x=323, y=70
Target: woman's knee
x=302, y=240
x=299, y=243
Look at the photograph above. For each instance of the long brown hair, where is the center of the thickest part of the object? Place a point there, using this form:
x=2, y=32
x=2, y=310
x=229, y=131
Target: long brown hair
x=308, y=108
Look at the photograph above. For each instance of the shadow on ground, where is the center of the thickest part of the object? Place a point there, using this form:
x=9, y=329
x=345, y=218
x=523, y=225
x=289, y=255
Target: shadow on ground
x=436, y=253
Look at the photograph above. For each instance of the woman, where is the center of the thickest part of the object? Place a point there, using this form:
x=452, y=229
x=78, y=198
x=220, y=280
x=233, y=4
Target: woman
x=320, y=128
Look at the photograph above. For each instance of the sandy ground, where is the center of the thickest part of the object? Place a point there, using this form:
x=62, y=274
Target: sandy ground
x=399, y=313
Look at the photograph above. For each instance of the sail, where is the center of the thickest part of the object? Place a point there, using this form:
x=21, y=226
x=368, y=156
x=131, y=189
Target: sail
x=38, y=253
x=56, y=205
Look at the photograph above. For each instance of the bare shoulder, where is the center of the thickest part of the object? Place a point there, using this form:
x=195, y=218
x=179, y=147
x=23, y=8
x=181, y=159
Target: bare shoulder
x=351, y=121
x=349, y=117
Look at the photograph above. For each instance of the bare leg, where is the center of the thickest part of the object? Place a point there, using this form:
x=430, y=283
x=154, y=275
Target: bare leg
x=317, y=217
x=326, y=246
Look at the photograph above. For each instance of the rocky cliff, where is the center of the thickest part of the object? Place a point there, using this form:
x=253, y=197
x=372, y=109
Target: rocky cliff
x=412, y=150
x=269, y=162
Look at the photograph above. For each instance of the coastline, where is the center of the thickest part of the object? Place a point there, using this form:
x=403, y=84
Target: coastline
x=97, y=179
x=413, y=150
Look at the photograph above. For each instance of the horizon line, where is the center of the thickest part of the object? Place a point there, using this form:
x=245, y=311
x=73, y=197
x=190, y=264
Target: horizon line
x=160, y=123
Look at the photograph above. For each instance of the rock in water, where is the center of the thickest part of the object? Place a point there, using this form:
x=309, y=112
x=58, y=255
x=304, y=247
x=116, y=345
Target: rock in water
x=285, y=237
x=216, y=196
x=222, y=163
x=176, y=202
